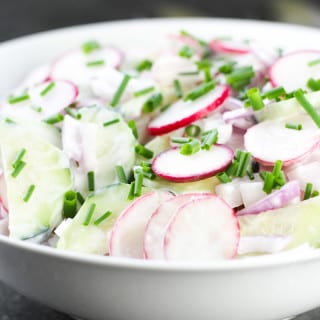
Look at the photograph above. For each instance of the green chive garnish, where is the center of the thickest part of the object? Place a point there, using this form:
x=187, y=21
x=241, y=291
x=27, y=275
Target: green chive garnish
x=152, y=103
x=244, y=159
x=275, y=93
x=143, y=91
x=36, y=109
x=189, y=73
x=204, y=45
x=223, y=177
x=8, y=120
x=73, y=113
x=190, y=148
x=54, y=119
x=120, y=90
x=18, y=168
x=70, y=204
x=240, y=77
x=144, y=65
x=306, y=105
x=143, y=151
x=105, y=216
x=90, y=46
x=313, y=62
x=294, y=126
x=199, y=91
x=209, y=139
x=19, y=157
x=138, y=184
x=186, y=52
x=277, y=168
x=133, y=127
x=108, y=123
x=268, y=182
x=164, y=108
x=313, y=84
x=307, y=191
x=29, y=193
x=177, y=89
x=192, y=131
x=89, y=214
x=95, y=63
x=47, y=89
x=121, y=174
x=131, y=191
x=80, y=198
x=13, y=100
x=255, y=99
x=180, y=140
x=91, y=182
x=314, y=193
x=227, y=68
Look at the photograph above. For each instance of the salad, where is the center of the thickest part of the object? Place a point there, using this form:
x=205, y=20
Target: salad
x=191, y=150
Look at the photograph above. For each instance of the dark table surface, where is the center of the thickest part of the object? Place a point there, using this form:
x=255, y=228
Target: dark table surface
x=23, y=17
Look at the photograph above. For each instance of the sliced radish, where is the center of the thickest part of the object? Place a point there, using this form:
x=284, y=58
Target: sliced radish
x=292, y=71
x=73, y=66
x=40, y=106
x=270, y=140
x=126, y=237
x=277, y=199
x=183, y=40
x=263, y=244
x=173, y=166
x=182, y=113
x=156, y=227
x=38, y=75
x=202, y=229
x=229, y=46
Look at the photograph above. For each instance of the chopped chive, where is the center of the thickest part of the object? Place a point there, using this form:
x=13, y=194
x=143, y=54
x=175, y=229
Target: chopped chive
x=307, y=191
x=281, y=179
x=240, y=77
x=54, y=119
x=306, y=105
x=177, y=88
x=17, y=169
x=186, y=52
x=180, y=140
x=121, y=174
x=131, y=191
x=244, y=161
x=143, y=91
x=209, y=139
x=164, y=108
x=120, y=90
x=207, y=75
x=89, y=214
x=47, y=89
x=143, y=151
x=29, y=193
x=232, y=169
x=275, y=93
x=313, y=62
x=227, y=68
x=108, y=123
x=192, y=131
x=250, y=173
x=277, y=168
x=80, y=198
x=190, y=148
x=90, y=46
x=189, y=73
x=203, y=64
x=70, y=204
x=262, y=175
x=313, y=84
x=314, y=193
x=19, y=157
x=199, y=91
x=91, y=182
x=138, y=184
x=8, y=120
x=73, y=113
x=105, y=216
x=204, y=45
x=255, y=99
x=144, y=65
x=133, y=127
x=13, y=100
x=223, y=177
x=95, y=63
x=36, y=109
x=268, y=182
x=294, y=126
x=152, y=103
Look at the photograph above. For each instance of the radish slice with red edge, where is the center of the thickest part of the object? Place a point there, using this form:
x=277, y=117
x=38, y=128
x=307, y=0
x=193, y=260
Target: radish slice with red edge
x=79, y=67
x=156, y=227
x=204, y=229
x=126, y=237
x=183, y=113
x=38, y=75
x=293, y=70
x=270, y=140
x=229, y=46
x=278, y=199
x=174, y=166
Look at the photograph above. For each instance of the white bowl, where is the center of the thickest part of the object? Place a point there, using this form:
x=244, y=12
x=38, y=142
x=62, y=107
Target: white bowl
x=100, y=288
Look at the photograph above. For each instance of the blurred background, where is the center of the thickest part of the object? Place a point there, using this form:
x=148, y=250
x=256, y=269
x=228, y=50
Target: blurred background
x=20, y=17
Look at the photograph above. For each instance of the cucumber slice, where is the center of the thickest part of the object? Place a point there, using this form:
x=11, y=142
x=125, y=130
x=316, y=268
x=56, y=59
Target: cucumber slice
x=47, y=169
x=97, y=147
x=93, y=238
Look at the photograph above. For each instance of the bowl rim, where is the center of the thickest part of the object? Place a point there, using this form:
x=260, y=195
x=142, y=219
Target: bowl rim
x=153, y=265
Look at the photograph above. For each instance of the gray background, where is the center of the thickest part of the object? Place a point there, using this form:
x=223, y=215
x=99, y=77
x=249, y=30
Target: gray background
x=20, y=17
